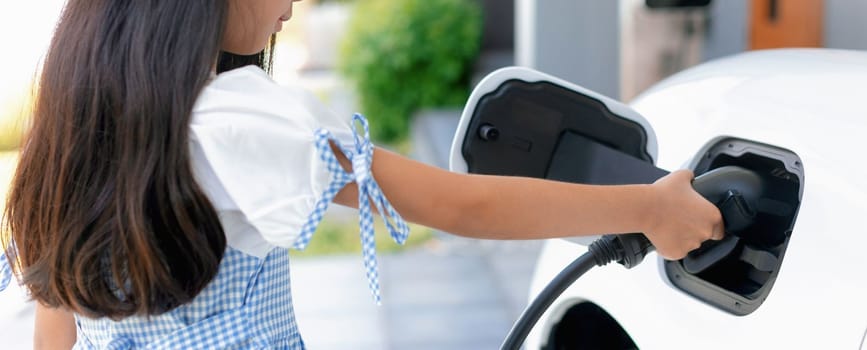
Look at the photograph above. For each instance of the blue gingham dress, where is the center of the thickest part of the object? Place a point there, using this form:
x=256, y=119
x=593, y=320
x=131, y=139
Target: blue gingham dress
x=248, y=305
x=261, y=152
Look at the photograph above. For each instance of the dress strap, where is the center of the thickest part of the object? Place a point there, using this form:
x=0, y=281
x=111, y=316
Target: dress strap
x=361, y=155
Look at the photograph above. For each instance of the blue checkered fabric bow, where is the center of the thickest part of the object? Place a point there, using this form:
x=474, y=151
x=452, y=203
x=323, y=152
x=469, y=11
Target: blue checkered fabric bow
x=361, y=156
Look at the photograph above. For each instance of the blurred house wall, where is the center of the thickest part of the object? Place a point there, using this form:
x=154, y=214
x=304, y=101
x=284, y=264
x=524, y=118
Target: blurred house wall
x=498, y=37
x=578, y=41
x=844, y=24
x=621, y=47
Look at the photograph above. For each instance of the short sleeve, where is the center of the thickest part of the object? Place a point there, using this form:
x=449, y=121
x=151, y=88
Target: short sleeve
x=258, y=138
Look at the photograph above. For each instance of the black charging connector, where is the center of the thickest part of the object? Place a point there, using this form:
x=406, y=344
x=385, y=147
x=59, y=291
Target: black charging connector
x=734, y=190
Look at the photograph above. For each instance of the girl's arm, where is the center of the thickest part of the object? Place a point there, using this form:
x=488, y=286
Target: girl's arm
x=55, y=328
x=669, y=212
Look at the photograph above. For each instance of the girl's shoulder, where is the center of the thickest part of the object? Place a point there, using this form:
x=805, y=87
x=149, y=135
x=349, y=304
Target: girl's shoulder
x=251, y=81
x=249, y=94
x=241, y=76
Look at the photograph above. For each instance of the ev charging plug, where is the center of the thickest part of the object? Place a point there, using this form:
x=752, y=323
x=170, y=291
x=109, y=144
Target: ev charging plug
x=734, y=190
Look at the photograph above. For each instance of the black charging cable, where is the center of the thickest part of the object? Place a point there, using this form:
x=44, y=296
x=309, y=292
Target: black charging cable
x=734, y=190
x=629, y=250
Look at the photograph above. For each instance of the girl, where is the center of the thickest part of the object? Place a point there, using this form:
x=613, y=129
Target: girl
x=165, y=174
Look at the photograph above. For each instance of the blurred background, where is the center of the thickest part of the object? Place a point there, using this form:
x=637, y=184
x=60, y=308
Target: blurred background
x=409, y=65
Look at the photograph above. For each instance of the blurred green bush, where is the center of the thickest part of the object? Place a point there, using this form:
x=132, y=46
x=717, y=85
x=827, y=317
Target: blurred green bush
x=404, y=55
x=334, y=237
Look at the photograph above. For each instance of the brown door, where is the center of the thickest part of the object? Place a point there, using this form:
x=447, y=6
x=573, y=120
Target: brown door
x=786, y=23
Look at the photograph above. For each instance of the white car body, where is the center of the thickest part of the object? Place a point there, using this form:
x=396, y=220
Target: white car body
x=807, y=101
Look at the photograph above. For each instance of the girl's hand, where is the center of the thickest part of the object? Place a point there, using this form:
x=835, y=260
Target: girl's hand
x=681, y=218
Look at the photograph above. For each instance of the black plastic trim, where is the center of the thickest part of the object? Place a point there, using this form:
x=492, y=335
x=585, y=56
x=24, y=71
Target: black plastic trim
x=529, y=119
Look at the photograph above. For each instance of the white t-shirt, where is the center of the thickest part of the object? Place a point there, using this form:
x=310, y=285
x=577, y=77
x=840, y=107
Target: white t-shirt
x=253, y=153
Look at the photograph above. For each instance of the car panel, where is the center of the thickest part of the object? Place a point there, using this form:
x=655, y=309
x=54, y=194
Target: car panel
x=808, y=101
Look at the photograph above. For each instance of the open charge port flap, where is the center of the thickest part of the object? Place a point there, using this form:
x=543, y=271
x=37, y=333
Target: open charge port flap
x=737, y=273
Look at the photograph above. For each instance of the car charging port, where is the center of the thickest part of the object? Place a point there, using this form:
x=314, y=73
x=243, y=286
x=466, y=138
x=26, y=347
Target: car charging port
x=737, y=273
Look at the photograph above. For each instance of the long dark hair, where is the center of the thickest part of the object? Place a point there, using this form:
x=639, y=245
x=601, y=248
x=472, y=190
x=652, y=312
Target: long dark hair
x=104, y=217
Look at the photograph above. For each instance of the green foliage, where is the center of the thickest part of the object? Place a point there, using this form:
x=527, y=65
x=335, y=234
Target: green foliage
x=403, y=55
x=341, y=237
